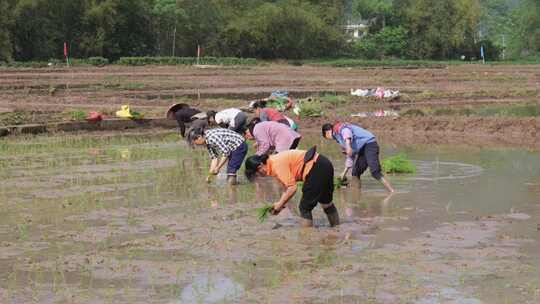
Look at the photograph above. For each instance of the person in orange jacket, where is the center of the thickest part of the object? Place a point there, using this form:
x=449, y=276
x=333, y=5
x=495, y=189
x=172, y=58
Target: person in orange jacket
x=290, y=167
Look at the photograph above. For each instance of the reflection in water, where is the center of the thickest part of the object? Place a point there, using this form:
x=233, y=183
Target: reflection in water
x=213, y=288
x=216, y=198
x=125, y=153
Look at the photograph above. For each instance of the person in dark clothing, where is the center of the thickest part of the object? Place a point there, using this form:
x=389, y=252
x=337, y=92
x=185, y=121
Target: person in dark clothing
x=183, y=114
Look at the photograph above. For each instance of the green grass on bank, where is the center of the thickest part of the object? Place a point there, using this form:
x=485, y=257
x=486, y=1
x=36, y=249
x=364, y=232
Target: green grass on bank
x=133, y=61
x=522, y=110
x=233, y=61
x=347, y=62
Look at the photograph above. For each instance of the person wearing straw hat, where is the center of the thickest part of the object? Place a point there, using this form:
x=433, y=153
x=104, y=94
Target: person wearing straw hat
x=183, y=114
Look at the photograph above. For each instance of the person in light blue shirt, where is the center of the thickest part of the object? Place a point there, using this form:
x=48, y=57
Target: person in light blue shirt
x=361, y=150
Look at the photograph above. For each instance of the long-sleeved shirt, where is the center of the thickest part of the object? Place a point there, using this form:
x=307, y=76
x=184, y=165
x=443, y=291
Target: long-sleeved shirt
x=227, y=117
x=273, y=134
x=222, y=142
x=183, y=116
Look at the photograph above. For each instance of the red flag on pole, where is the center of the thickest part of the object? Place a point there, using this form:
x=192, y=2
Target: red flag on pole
x=65, y=50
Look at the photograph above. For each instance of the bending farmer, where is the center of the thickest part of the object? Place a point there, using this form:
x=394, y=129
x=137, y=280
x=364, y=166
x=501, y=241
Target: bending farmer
x=232, y=118
x=289, y=167
x=272, y=135
x=223, y=145
x=270, y=114
x=183, y=114
x=361, y=149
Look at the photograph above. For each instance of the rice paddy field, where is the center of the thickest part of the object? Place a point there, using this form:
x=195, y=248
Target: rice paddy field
x=128, y=218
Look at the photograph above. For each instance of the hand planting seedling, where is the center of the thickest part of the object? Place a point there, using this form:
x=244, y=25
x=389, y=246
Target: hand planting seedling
x=263, y=212
x=339, y=182
x=398, y=164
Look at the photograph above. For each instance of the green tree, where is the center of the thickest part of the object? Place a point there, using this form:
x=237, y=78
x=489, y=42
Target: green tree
x=167, y=15
x=376, y=11
x=202, y=25
x=115, y=28
x=288, y=29
x=526, y=40
x=438, y=29
x=6, y=21
x=34, y=31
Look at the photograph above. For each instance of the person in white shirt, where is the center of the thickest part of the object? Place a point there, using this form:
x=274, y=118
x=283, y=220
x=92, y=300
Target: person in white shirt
x=232, y=118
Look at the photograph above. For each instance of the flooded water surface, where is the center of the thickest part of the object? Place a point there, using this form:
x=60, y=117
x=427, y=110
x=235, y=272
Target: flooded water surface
x=129, y=219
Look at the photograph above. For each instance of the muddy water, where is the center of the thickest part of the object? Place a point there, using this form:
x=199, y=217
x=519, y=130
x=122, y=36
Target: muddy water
x=129, y=220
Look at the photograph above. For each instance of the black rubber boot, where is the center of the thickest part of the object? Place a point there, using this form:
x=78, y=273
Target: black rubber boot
x=332, y=215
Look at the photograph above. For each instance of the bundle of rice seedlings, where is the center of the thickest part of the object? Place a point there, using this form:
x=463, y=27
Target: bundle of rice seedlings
x=338, y=182
x=263, y=212
x=398, y=164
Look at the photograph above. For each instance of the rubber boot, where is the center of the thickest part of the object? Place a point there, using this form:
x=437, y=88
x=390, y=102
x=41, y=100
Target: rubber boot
x=332, y=215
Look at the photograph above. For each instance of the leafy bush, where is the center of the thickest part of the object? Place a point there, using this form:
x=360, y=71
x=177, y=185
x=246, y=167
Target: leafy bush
x=398, y=164
x=139, y=61
x=389, y=42
x=94, y=61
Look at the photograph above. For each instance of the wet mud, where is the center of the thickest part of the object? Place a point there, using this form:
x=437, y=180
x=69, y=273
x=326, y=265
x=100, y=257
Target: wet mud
x=125, y=220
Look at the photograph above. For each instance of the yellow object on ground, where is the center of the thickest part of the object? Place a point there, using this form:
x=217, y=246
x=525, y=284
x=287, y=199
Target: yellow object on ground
x=126, y=112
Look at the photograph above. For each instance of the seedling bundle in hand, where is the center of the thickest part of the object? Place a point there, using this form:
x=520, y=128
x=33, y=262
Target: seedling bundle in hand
x=398, y=164
x=263, y=212
x=338, y=182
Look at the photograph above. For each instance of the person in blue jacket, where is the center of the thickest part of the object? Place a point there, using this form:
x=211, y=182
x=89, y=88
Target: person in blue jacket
x=361, y=148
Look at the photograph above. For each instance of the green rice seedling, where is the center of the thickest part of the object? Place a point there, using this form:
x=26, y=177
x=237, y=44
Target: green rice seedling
x=311, y=109
x=398, y=164
x=263, y=212
x=78, y=115
x=338, y=182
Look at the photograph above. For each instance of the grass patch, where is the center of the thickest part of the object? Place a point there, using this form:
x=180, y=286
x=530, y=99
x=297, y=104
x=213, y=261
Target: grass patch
x=382, y=63
x=78, y=115
x=334, y=100
x=403, y=63
x=398, y=164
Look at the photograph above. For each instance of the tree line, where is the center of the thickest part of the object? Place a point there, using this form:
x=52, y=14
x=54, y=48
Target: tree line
x=290, y=29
